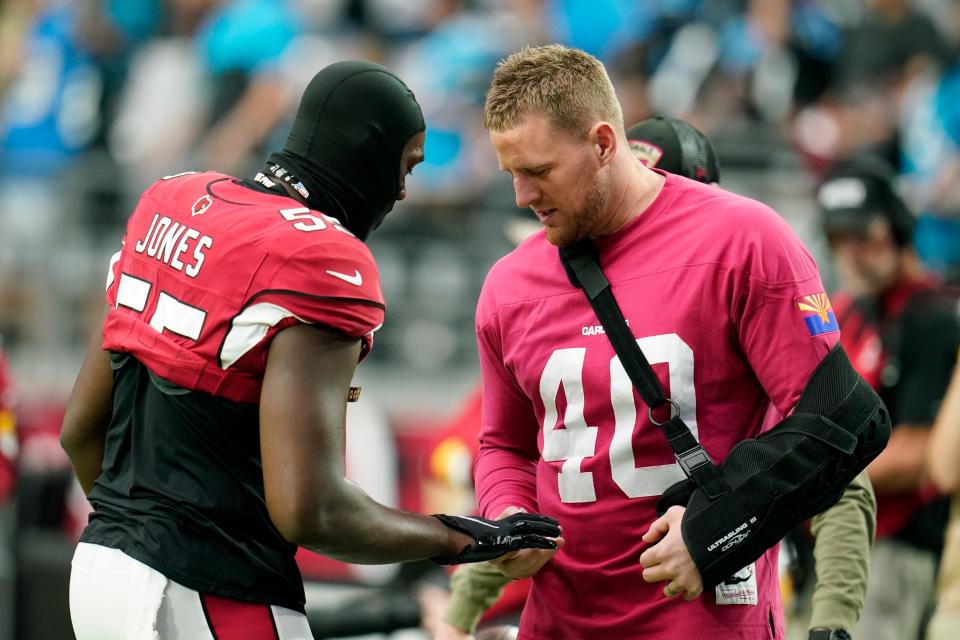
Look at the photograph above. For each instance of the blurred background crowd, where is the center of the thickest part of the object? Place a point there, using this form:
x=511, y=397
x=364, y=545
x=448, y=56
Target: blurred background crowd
x=98, y=98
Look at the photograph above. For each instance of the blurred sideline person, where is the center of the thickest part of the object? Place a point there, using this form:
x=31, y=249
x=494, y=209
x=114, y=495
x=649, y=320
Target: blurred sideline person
x=8, y=485
x=943, y=454
x=844, y=533
x=718, y=292
x=206, y=425
x=901, y=333
x=8, y=432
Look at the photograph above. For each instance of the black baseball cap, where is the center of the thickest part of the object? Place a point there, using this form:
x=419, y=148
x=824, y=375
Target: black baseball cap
x=675, y=147
x=857, y=191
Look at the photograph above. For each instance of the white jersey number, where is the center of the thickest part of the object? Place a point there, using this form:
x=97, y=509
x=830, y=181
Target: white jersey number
x=170, y=314
x=303, y=219
x=571, y=439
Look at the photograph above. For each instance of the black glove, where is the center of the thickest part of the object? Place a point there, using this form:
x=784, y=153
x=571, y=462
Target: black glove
x=494, y=538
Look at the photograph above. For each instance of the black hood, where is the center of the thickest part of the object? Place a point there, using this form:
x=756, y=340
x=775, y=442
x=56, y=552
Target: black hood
x=344, y=149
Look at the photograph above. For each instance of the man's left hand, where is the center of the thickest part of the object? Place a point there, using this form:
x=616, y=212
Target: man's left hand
x=524, y=563
x=668, y=559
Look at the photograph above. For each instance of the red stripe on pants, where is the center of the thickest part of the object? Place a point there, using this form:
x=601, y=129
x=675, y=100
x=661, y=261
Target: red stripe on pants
x=236, y=620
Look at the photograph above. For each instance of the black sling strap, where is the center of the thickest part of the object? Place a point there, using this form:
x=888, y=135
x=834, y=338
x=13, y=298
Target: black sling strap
x=580, y=262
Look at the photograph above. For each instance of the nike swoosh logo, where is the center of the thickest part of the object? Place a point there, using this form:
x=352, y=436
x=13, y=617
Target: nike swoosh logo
x=356, y=279
x=486, y=524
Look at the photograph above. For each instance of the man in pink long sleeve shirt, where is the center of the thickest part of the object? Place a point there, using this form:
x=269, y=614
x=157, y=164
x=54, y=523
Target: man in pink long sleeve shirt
x=725, y=303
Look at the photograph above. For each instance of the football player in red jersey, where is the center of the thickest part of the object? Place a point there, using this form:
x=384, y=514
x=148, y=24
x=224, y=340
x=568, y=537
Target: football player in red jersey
x=206, y=425
x=714, y=289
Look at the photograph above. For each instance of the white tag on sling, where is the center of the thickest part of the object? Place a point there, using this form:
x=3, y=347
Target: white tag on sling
x=740, y=588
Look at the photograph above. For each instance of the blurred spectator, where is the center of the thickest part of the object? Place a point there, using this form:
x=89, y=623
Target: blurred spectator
x=51, y=107
x=48, y=117
x=112, y=31
x=214, y=90
x=396, y=19
x=943, y=453
x=901, y=335
x=15, y=19
x=242, y=43
x=630, y=74
x=815, y=41
x=892, y=39
x=61, y=65
x=884, y=48
x=448, y=69
x=931, y=164
x=601, y=27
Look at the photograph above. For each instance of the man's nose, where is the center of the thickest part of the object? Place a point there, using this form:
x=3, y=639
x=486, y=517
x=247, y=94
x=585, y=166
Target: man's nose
x=527, y=193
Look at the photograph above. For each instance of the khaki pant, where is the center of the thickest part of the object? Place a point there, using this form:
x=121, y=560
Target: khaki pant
x=944, y=626
x=900, y=594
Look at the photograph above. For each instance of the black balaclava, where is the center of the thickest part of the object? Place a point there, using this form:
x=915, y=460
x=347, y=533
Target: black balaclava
x=343, y=152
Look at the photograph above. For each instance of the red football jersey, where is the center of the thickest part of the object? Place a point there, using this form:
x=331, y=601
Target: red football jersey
x=8, y=434
x=728, y=308
x=211, y=270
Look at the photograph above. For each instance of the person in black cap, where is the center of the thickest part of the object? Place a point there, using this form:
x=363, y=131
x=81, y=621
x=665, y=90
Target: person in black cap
x=902, y=337
x=207, y=423
x=676, y=147
x=869, y=226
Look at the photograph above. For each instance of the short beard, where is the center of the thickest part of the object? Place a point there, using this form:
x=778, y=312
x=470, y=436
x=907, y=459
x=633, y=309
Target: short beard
x=584, y=221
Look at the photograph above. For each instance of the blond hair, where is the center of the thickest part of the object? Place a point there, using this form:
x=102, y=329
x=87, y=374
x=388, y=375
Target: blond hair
x=569, y=86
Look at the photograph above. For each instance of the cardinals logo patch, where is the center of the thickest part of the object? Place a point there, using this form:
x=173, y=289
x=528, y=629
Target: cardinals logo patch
x=201, y=205
x=648, y=154
x=817, y=314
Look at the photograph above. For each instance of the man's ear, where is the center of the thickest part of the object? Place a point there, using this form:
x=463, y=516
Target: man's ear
x=604, y=138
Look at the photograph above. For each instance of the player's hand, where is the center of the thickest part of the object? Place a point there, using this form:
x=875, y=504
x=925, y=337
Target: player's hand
x=494, y=538
x=446, y=631
x=526, y=562
x=668, y=559
x=433, y=603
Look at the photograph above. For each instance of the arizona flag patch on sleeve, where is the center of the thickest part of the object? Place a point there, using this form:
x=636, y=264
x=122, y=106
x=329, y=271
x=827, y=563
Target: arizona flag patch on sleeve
x=817, y=314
